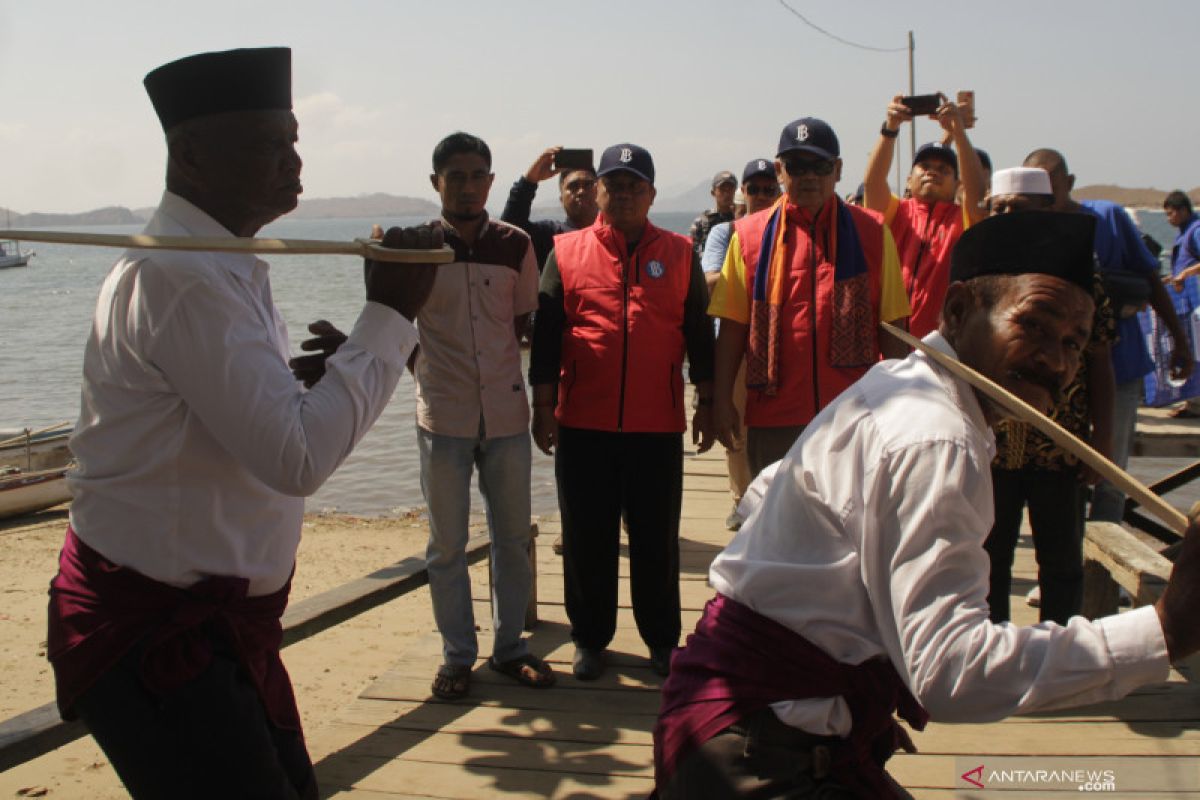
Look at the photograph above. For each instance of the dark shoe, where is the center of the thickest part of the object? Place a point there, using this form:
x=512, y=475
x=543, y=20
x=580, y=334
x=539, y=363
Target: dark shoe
x=588, y=663
x=733, y=521
x=660, y=660
x=453, y=681
x=527, y=670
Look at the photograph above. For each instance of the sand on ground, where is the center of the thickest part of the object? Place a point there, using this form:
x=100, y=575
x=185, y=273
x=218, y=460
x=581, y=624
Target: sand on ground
x=328, y=670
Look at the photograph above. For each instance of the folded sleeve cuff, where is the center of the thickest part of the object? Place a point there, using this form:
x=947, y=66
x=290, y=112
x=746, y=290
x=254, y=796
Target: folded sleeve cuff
x=1138, y=648
x=385, y=334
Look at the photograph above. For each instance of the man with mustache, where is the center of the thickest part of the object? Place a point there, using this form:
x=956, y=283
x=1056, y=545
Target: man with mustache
x=1031, y=470
x=759, y=188
x=195, y=448
x=1119, y=247
x=621, y=304
x=472, y=413
x=576, y=191
x=928, y=222
x=857, y=587
x=803, y=288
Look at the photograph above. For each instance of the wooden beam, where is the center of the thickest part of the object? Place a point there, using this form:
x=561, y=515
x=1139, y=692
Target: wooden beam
x=37, y=732
x=1136, y=566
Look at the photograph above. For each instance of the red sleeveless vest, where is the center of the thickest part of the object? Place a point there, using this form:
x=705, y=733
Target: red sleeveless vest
x=623, y=343
x=807, y=379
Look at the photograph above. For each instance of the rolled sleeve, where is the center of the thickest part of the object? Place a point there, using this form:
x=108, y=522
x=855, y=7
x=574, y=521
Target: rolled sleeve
x=893, y=303
x=730, y=297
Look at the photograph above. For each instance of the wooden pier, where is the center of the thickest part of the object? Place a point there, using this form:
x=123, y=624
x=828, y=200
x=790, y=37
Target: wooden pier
x=593, y=739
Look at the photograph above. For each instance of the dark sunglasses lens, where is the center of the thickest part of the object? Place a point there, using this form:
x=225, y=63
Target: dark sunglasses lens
x=765, y=191
x=797, y=168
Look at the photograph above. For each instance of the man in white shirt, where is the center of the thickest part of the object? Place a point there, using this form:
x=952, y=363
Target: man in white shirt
x=195, y=448
x=857, y=586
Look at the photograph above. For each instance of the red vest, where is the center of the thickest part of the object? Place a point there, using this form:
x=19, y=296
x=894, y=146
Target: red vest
x=807, y=379
x=623, y=344
x=925, y=234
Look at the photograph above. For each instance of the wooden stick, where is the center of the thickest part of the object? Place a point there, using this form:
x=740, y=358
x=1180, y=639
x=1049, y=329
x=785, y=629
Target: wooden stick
x=365, y=248
x=1169, y=516
x=28, y=434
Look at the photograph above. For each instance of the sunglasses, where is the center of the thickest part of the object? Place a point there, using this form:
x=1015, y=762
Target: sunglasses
x=765, y=191
x=797, y=167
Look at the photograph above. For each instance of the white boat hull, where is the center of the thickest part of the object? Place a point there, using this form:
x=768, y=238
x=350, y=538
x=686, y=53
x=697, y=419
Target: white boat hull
x=34, y=491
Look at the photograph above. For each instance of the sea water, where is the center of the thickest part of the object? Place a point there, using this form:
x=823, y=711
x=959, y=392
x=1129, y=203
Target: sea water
x=46, y=312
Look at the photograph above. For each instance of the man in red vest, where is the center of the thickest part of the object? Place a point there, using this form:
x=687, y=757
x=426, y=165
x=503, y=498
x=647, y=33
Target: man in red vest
x=804, y=286
x=621, y=304
x=928, y=223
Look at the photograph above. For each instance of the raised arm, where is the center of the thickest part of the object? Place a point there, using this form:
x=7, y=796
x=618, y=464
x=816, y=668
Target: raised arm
x=877, y=194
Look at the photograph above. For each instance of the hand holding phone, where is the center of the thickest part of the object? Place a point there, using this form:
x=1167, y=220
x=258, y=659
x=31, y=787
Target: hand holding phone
x=920, y=105
x=568, y=159
x=966, y=105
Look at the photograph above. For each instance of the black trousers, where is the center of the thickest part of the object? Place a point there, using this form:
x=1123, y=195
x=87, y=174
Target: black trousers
x=761, y=758
x=210, y=738
x=1056, y=515
x=603, y=476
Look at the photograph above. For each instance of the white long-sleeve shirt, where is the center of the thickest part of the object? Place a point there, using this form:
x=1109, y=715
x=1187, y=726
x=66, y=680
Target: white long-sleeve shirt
x=867, y=540
x=195, y=443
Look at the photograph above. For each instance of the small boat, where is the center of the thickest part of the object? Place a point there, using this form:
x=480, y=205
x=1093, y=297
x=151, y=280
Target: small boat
x=11, y=254
x=40, y=449
x=27, y=492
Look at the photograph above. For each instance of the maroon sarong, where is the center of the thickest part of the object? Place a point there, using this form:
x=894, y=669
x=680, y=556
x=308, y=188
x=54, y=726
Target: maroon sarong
x=99, y=610
x=739, y=662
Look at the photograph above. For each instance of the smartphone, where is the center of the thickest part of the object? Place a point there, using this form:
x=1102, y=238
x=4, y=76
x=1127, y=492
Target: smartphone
x=922, y=104
x=966, y=102
x=567, y=159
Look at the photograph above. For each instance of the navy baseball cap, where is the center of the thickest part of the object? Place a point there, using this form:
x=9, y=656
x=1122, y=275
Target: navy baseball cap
x=935, y=150
x=759, y=166
x=809, y=135
x=628, y=157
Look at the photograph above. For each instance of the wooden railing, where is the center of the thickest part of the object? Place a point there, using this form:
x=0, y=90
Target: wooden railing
x=37, y=732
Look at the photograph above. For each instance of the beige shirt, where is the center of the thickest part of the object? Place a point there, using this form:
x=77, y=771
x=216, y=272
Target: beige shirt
x=468, y=368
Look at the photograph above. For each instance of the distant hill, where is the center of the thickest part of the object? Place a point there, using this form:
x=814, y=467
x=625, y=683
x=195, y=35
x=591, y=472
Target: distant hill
x=1138, y=198
x=110, y=215
x=366, y=205
x=693, y=200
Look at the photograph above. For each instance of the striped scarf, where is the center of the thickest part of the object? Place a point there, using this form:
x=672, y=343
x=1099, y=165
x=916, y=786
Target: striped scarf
x=853, y=330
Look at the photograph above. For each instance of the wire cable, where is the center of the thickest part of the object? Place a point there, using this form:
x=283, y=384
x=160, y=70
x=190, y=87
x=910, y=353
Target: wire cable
x=837, y=38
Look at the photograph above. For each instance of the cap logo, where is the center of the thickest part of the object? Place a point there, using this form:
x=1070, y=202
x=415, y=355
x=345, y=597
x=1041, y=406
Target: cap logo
x=626, y=155
x=762, y=164
x=801, y=133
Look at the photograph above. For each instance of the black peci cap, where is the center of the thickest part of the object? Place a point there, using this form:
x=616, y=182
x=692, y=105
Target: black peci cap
x=258, y=79
x=1058, y=243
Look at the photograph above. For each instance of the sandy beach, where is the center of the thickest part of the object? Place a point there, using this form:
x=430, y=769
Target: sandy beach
x=328, y=670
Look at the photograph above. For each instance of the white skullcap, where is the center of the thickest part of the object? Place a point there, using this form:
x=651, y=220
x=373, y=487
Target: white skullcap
x=1021, y=180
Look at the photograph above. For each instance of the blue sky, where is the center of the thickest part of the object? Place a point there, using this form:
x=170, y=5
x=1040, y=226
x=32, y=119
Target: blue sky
x=704, y=85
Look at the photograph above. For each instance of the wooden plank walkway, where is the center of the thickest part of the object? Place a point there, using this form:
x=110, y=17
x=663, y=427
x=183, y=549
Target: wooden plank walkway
x=593, y=739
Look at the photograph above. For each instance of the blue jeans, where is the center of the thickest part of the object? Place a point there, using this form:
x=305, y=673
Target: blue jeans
x=504, y=466
x=1108, y=502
